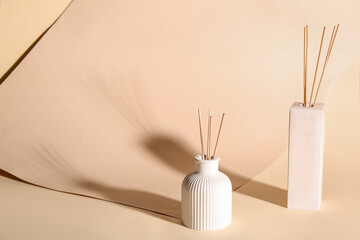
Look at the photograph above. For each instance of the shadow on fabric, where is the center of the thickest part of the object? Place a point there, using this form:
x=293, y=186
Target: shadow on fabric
x=176, y=155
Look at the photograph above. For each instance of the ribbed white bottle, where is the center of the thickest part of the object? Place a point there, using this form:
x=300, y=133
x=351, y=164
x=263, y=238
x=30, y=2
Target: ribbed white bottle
x=206, y=196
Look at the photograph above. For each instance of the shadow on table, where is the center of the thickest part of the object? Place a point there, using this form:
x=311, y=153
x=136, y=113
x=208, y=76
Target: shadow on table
x=265, y=192
x=145, y=202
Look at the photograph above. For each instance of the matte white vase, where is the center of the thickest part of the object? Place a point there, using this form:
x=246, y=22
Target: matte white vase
x=306, y=153
x=206, y=196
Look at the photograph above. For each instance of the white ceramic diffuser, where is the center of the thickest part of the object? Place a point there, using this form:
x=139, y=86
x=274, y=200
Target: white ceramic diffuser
x=206, y=196
x=306, y=152
x=306, y=139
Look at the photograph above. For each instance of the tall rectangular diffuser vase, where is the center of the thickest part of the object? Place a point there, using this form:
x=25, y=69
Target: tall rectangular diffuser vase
x=306, y=153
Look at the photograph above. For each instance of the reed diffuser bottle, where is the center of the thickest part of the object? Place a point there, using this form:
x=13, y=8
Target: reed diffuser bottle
x=206, y=194
x=306, y=139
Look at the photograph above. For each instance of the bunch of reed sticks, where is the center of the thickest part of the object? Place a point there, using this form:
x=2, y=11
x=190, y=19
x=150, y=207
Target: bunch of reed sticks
x=208, y=155
x=331, y=43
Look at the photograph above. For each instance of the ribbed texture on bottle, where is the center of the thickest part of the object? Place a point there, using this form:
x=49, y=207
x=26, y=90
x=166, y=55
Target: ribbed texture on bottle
x=206, y=201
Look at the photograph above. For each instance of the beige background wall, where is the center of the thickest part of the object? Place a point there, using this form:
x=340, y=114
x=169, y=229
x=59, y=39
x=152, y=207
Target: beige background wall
x=21, y=23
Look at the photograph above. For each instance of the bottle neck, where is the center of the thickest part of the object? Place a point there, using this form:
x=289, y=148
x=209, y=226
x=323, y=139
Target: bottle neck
x=207, y=166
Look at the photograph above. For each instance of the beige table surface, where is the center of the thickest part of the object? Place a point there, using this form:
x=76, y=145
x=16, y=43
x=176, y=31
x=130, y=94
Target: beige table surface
x=259, y=212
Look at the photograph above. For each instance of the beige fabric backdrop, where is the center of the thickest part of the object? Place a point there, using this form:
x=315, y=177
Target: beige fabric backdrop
x=105, y=104
x=258, y=206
